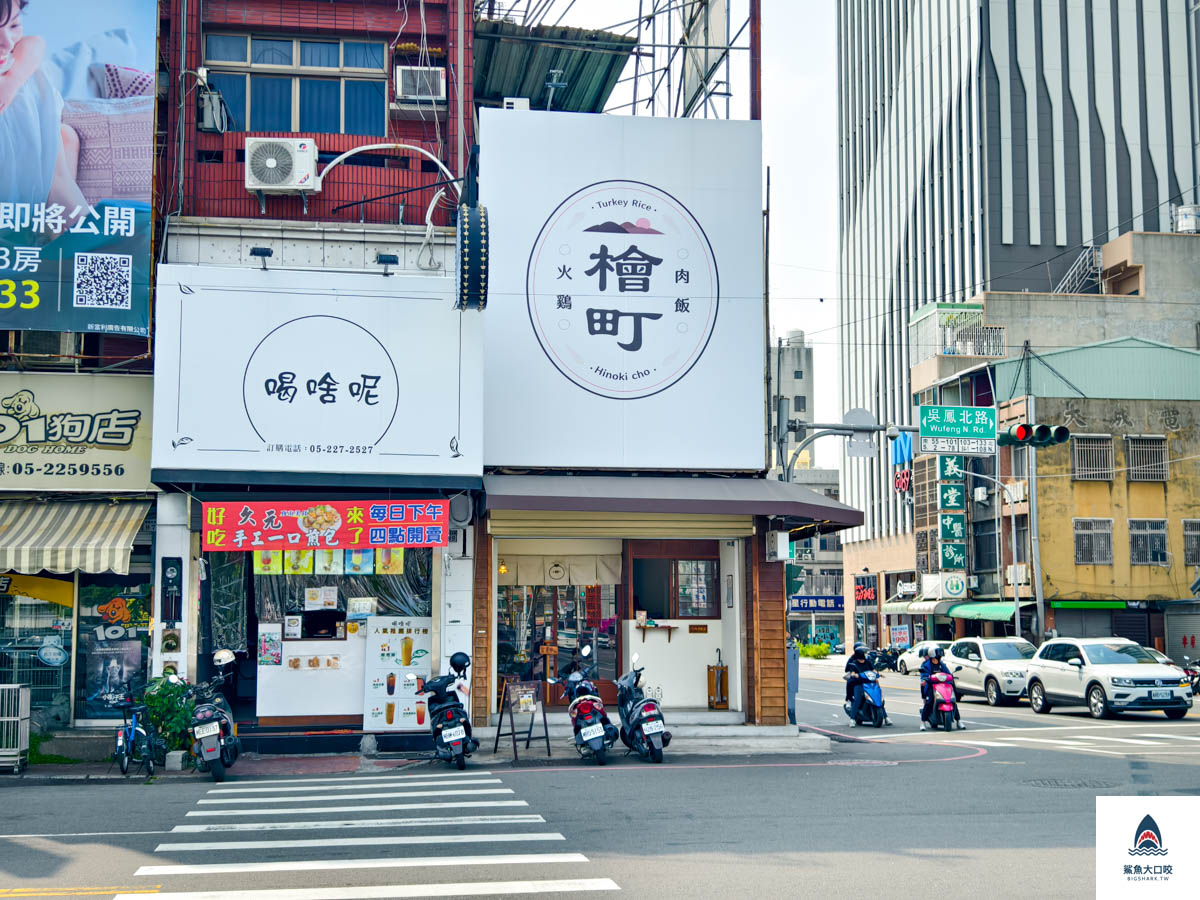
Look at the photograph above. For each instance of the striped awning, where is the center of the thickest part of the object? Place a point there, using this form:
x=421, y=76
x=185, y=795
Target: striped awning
x=91, y=536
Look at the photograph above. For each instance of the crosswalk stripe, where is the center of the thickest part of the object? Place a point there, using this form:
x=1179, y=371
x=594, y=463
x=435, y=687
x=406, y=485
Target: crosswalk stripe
x=348, y=787
x=984, y=744
x=408, y=839
x=322, y=865
x=1049, y=741
x=322, y=825
x=1176, y=737
x=293, y=810
x=376, y=796
x=1129, y=741
x=395, y=891
x=362, y=779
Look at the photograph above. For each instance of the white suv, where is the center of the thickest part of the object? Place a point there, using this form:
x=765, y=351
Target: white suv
x=1108, y=675
x=993, y=667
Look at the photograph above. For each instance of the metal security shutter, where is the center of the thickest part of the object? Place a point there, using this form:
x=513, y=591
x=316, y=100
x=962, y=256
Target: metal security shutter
x=1134, y=625
x=1183, y=635
x=1083, y=623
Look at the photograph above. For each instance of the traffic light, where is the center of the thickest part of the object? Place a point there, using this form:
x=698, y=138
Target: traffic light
x=1024, y=434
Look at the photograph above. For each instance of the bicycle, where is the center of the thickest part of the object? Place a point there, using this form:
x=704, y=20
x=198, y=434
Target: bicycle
x=136, y=738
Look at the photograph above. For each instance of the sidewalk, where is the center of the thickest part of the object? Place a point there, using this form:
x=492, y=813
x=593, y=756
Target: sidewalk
x=835, y=661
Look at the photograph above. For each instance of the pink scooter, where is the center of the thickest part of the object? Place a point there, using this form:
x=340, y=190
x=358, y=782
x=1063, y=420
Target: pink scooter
x=944, y=702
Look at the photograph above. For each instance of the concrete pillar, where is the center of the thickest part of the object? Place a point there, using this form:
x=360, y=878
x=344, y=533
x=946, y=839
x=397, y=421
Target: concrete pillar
x=173, y=540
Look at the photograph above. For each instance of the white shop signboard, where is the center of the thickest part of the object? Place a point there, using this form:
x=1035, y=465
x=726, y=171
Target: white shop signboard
x=624, y=327
x=315, y=372
x=396, y=645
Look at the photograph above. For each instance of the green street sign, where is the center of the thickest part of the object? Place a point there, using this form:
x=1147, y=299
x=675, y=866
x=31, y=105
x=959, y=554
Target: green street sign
x=969, y=430
x=952, y=526
x=952, y=496
x=950, y=468
x=795, y=578
x=953, y=556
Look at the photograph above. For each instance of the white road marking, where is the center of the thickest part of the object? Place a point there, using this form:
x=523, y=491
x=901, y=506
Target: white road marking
x=363, y=779
x=323, y=865
x=459, y=804
x=1176, y=737
x=376, y=796
x=408, y=839
x=985, y=744
x=1123, y=740
x=77, y=834
x=395, y=891
x=1063, y=743
x=349, y=787
x=320, y=825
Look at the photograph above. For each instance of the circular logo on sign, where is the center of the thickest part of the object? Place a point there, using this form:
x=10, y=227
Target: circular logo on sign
x=956, y=585
x=556, y=571
x=52, y=655
x=622, y=289
x=322, y=380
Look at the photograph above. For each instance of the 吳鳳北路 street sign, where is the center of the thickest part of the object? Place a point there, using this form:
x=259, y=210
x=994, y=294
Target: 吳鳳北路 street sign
x=962, y=430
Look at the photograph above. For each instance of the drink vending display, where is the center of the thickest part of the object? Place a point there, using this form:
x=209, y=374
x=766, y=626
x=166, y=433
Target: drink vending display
x=396, y=645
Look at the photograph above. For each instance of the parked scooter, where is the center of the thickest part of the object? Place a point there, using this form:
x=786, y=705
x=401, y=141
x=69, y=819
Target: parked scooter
x=448, y=721
x=1191, y=668
x=945, y=701
x=869, y=702
x=642, y=725
x=215, y=741
x=883, y=659
x=594, y=732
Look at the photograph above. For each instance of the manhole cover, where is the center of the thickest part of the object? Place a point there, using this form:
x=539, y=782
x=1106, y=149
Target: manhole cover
x=1070, y=783
x=862, y=762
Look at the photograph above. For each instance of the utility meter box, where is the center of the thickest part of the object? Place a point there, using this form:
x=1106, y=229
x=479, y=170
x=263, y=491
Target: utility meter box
x=779, y=546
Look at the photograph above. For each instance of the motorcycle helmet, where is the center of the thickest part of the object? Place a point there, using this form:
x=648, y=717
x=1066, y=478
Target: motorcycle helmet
x=459, y=662
x=860, y=648
x=934, y=652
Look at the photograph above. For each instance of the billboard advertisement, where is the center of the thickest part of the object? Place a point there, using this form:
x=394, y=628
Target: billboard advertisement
x=77, y=84
x=348, y=524
x=626, y=303
x=315, y=372
x=74, y=432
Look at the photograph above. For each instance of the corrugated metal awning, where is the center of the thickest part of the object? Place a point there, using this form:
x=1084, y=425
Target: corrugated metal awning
x=929, y=607
x=898, y=606
x=91, y=536
x=517, y=523
x=993, y=611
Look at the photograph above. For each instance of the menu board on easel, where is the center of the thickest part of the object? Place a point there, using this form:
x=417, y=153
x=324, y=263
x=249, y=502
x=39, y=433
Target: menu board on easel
x=396, y=645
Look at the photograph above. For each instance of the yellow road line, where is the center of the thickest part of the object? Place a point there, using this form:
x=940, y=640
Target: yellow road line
x=77, y=891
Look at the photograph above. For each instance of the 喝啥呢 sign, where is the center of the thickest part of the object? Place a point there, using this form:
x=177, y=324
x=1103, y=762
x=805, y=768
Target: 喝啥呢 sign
x=75, y=218
x=323, y=524
x=960, y=430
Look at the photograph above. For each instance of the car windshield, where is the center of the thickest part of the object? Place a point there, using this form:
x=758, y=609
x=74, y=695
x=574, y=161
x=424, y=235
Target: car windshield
x=1009, y=650
x=1118, y=654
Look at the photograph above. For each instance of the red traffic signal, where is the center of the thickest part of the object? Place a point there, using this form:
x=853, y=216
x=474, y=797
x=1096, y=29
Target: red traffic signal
x=1033, y=435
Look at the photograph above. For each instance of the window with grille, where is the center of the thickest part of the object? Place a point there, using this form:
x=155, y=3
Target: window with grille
x=1191, y=542
x=1146, y=458
x=1093, y=542
x=1092, y=458
x=1148, y=542
x=925, y=491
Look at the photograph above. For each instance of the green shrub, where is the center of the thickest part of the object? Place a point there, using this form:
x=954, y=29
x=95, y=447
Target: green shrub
x=170, y=711
x=814, y=651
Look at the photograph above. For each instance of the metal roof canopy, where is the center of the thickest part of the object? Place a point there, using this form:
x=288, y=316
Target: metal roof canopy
x=706, y=495
x=993, y=611
x=516, y=61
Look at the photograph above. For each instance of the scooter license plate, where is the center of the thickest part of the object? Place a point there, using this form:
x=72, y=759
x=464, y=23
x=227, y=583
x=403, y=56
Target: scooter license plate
x=454, y=734
x=654, y=727
x=591, y=732
x=1160, y=695
x=208, y=728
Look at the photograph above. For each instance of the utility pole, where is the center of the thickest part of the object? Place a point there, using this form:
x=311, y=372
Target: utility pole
x=1012, y=512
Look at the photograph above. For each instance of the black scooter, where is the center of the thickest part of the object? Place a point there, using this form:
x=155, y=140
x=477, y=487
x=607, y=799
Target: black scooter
x=448, y=721
x=642, y=725
x=594, y=733
x=215, y=743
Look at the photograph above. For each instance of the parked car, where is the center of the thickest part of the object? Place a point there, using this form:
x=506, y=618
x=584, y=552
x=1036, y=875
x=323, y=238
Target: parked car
x=910, y=660
x=993, y=667
x=1163, y=658
x=1107, y=675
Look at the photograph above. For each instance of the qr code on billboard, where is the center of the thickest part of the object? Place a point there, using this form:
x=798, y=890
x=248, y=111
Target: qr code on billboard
x=104, y=280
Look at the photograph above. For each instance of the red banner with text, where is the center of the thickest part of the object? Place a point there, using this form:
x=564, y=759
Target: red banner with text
x=350, y=524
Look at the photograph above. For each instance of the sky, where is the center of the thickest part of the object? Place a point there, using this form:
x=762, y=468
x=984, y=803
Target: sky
x=799, y=112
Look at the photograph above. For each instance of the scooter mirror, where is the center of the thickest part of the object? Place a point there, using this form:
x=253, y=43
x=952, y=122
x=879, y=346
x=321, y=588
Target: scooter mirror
x=409, y=676
x=223, y=657
x=958, y=668
x=587, y=651
x=635, y=658
x=551, y=681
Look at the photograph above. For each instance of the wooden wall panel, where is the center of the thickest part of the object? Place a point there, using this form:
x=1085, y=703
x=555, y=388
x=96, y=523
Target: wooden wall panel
x=481, y=663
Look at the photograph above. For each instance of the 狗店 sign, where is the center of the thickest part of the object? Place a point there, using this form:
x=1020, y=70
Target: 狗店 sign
x=348, y=524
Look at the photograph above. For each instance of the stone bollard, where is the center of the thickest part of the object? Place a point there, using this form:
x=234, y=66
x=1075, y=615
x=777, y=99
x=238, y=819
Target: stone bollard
x=175, y=760
x=369, y=746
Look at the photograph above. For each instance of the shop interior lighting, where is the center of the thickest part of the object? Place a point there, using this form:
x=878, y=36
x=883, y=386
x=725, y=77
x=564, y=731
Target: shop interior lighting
x=262, y=253
x=503, y=567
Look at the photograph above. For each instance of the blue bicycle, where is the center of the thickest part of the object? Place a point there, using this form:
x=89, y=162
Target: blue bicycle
x=136, y=738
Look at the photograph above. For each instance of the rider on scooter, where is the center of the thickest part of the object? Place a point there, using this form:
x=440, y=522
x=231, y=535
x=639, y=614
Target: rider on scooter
x=858, y=664
x=933, y=663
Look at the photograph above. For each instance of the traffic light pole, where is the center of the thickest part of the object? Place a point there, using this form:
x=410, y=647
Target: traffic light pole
x=1012, y=512
x=840, y=428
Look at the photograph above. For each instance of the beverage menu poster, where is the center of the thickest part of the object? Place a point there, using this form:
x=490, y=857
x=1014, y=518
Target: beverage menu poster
x=396, y=645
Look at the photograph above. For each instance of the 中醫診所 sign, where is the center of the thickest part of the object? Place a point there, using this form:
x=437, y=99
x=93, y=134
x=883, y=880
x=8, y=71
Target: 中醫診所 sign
x=961, y=430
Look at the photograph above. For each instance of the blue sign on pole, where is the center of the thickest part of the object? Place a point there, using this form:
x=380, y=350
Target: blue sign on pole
x=816, y=604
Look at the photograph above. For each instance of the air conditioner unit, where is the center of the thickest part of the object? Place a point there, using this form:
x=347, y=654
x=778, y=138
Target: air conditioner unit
x=973, y=582
x=420, y=83
x=981, y=494
x=1022, y=574
x=210, y=113
x=49, y=348
x=516, y=103
x=1016, y=490
x=1160, y=558
x=281, y=165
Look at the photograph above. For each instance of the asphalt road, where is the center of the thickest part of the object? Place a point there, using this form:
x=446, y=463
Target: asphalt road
x=1019, y=820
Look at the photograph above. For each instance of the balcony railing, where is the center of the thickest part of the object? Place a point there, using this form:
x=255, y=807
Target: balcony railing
x=822, y=586
x=955, y=329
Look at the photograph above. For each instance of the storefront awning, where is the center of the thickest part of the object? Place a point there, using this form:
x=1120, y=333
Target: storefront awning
x=706, y=496
x=996, y=611
x=897, y=606
x=929, y=607
x=91, y=536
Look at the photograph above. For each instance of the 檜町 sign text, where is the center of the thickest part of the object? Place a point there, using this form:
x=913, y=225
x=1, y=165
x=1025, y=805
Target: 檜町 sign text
x=351, y=524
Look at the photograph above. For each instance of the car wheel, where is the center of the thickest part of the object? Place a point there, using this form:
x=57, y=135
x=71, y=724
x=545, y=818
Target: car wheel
x=992, y=689
x=903, y=667
x=1037, y=698
x=1097, y=702
x=1175, y=713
